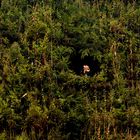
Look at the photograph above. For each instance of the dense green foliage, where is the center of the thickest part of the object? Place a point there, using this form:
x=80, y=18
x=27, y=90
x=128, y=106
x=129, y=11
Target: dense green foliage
x=43, y=45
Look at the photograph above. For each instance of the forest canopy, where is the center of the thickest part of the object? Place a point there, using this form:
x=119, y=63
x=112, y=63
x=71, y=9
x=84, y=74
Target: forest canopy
x=44, y=94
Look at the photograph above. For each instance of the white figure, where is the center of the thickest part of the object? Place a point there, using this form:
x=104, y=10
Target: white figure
x=86, y=69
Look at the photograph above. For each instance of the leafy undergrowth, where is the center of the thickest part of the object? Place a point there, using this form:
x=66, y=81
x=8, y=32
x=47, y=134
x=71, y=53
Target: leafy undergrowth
x=43, y=93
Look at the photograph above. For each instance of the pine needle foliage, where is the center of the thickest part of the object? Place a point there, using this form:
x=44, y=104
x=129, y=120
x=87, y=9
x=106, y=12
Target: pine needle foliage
x=43, y=93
